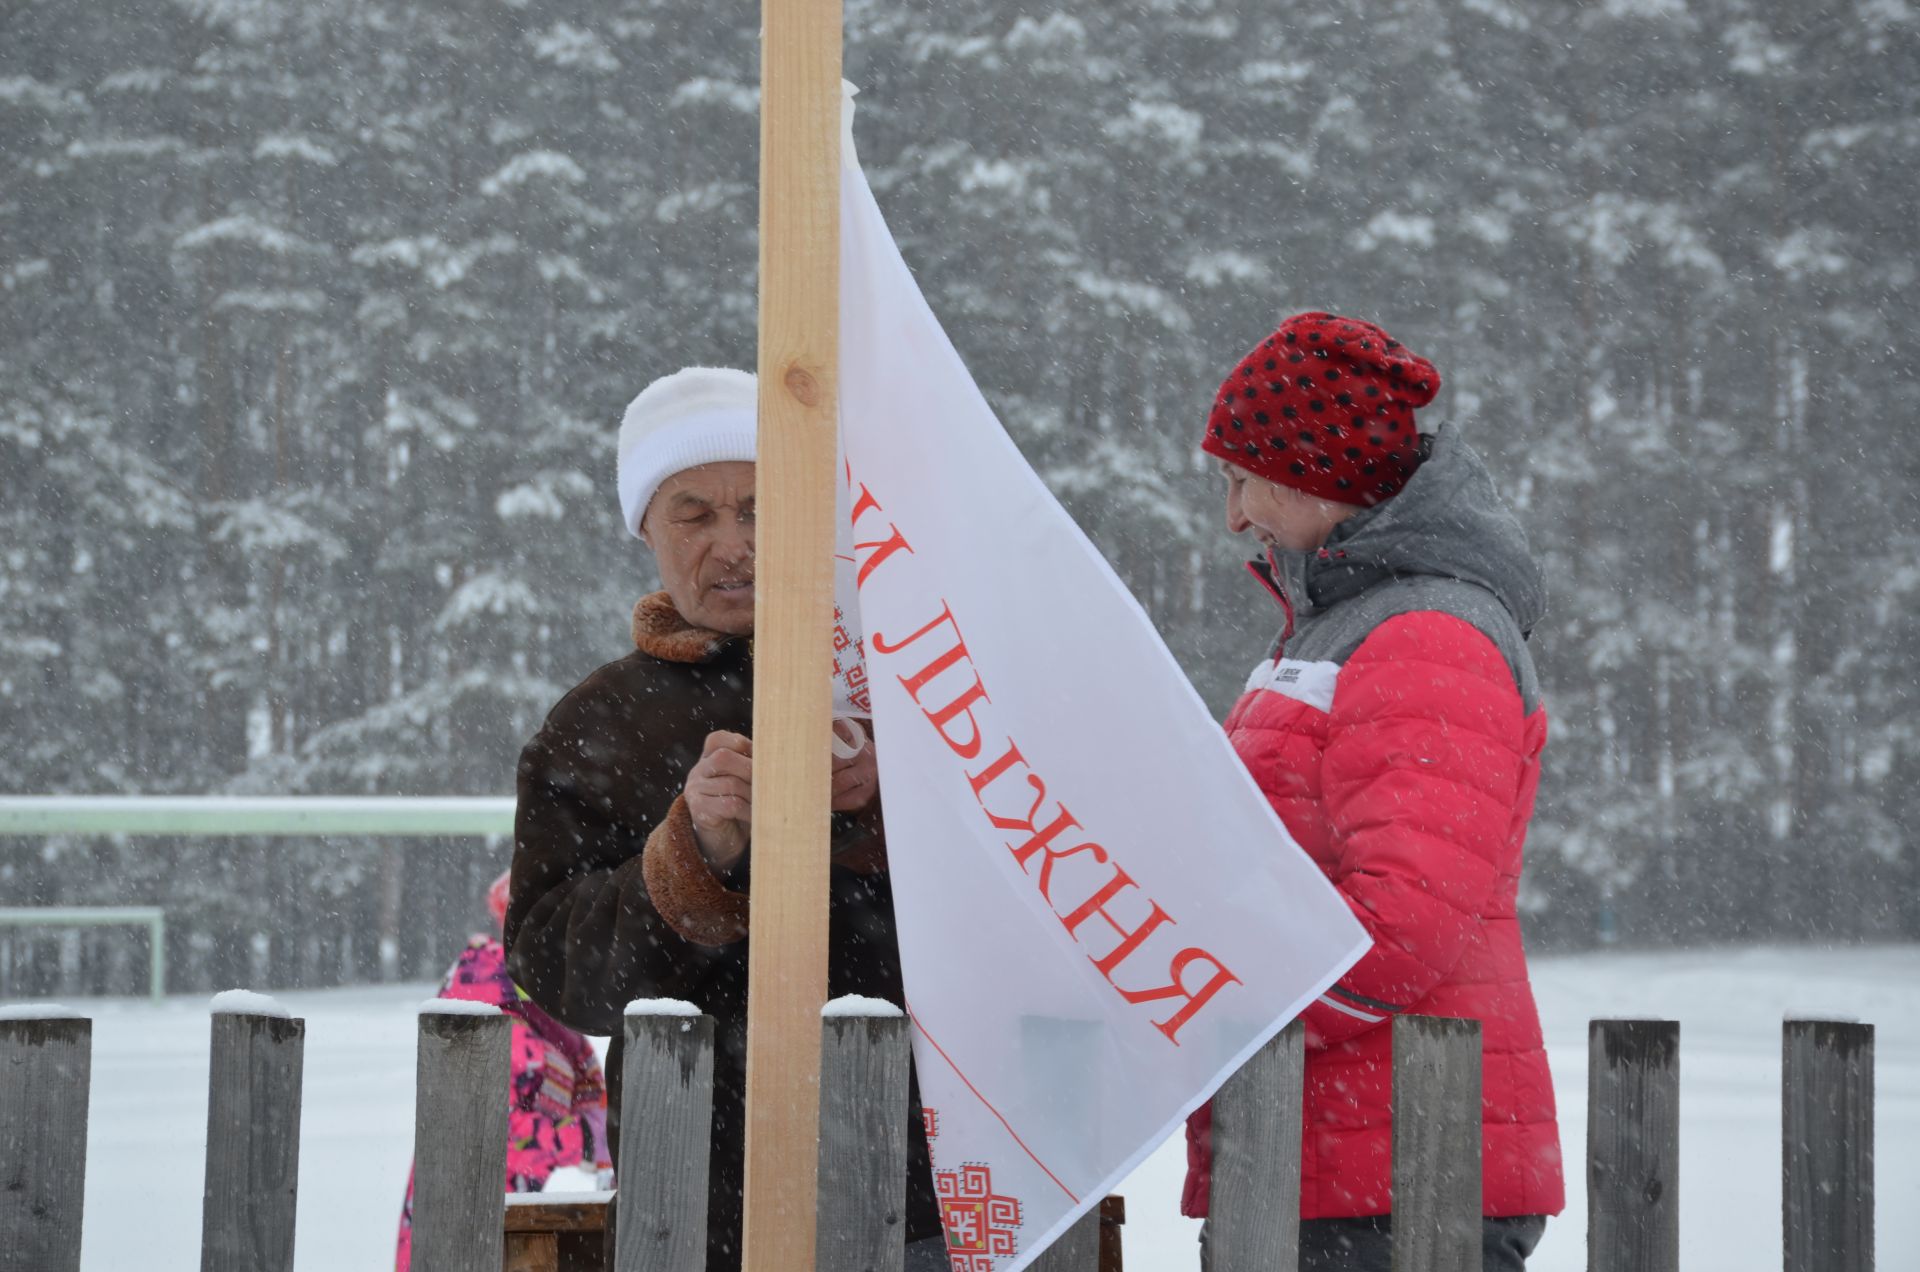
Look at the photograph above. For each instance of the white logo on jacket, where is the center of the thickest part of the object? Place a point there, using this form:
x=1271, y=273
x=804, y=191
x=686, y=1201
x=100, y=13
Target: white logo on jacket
x=1308, y=682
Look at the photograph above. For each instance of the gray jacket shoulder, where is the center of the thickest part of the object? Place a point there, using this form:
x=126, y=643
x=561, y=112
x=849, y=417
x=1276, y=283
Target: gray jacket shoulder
x=1335, y=634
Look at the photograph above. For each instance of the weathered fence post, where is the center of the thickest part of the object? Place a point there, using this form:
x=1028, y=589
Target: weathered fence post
x=666, y=1124
x=46, y=1069
x=460, y=1137
x=253, y=1136
x=1436, y=1145
x=864, y=1055
x=1077, y=1250
x=1254, y=1214
x=1826, y=1093
x=1633, y=1146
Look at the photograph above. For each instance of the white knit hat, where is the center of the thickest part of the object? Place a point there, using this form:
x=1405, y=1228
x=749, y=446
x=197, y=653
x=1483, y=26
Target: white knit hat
x=697, y=415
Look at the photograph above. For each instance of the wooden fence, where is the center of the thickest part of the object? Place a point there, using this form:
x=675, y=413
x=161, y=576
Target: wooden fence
x=461, y=1222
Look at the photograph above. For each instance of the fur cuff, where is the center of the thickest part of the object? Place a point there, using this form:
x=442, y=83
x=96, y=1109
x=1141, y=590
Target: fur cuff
x=659, y=630
x=683, y=888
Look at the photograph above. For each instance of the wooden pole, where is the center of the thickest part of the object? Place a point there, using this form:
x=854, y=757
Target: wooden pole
x=863, y=1143
x=1436, y=1144
x=1078, y=1248
x=460, y=1139
x=793, y=619
x=1254, y=1219
x=666, y=1126
x=46, y=1072
x=1827, y=1145
x=1633, y=1145
x=253, y=1143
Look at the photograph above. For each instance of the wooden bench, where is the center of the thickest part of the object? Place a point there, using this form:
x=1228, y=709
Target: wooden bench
x=556, y=1232
x=561, y=1232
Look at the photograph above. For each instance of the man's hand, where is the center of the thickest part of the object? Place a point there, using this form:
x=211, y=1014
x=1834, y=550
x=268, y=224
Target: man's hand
x=855, y=781
x=719, y=794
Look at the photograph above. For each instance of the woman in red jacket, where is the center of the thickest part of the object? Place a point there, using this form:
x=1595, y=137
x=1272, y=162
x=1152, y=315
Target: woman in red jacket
x=1396, y=726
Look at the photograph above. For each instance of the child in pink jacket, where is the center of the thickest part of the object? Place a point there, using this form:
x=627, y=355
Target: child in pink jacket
x=558, y=1097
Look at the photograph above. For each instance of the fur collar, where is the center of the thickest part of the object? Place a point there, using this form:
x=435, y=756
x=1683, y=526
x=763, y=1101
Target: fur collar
x=659, y=630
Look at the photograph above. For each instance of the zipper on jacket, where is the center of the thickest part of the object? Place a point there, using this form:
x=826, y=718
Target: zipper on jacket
x=1268, y=572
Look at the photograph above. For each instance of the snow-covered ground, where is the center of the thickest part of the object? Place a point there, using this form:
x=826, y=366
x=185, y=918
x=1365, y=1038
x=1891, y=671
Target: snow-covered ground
x=148, y=1119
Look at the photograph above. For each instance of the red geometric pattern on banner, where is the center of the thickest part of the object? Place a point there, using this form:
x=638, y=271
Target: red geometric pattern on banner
x=980, y=1223
x=930, y=1119
x=851, y=668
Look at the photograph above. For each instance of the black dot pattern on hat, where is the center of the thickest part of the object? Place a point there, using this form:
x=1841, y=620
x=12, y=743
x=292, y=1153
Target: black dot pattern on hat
x=1361, y=457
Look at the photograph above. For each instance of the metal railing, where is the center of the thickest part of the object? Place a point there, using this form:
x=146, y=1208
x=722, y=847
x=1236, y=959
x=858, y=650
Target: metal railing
x=399, y=816
x=151, y=917
x=214, y=816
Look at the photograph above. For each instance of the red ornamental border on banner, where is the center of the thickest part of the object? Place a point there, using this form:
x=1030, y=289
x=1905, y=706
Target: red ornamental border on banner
x=988, y=1106
x=850, y=670
x=980, y=1223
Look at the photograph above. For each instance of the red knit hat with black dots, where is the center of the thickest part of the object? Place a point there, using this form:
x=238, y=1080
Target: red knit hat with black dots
x=1325, y=405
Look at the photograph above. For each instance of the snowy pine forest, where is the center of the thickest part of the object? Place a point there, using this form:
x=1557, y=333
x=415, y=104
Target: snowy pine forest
x=317, y=318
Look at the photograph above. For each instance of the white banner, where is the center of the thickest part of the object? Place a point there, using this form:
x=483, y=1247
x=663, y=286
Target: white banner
x=1100, y=916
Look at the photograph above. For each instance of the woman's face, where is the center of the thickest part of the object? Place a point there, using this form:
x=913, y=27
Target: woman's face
x=1279, y=516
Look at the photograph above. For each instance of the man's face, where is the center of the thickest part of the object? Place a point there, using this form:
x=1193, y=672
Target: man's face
x=1279, y=516
x=700, y=527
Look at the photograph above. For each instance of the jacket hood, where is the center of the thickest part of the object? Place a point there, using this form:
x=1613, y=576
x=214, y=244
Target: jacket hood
x=1450, y=522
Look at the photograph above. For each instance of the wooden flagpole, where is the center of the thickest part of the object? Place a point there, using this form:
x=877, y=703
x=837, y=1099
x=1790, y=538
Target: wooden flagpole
x=793, y=620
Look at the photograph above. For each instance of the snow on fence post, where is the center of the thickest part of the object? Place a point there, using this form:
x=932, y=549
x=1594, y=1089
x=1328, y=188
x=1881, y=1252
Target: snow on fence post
x=666, y=1123
x=1826, y=1094
x=1254, y=1215
x=460, y=1137
x=1436, y=1145
x=253, y=1135
x=1633, y=1145
x=864, y=1055
x=46, y=1068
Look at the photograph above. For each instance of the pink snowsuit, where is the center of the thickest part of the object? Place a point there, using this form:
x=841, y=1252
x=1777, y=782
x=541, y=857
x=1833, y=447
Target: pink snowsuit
x=558, y=1097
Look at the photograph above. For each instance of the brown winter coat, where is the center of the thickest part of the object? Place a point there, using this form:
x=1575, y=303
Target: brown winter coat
x=612, y=900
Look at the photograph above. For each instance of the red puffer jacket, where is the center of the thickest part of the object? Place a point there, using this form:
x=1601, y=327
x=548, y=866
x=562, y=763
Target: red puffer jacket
x=1396, y=739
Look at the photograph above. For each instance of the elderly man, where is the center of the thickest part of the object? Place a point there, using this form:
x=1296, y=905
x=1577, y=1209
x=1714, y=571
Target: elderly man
x=632, y=861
